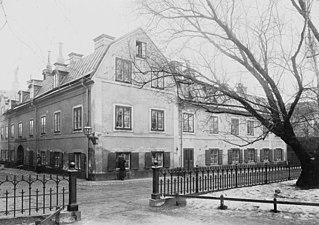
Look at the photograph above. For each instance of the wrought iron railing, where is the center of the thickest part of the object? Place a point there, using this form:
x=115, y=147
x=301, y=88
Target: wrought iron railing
x=200, y=180
x=32, y=194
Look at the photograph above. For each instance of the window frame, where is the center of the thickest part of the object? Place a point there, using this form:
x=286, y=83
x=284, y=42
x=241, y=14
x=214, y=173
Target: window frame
x=278, y=155
x=214, y=129
x=250, y=127
x=233, y=130
x=251, y=153
x=123, y=107
x=189, y=115
x=43, y=124
x=157, y=111
x=141, y=49
x=156, y=155
x=77, y=126
x=157, y=79
x=6, y=132
x=130, y=72
x=12, y=131
x=235, y=153
x=128, y=161
x=2, y=133
x=20, y=129
x=57, y=124
x=77, y=160
x=31, y=127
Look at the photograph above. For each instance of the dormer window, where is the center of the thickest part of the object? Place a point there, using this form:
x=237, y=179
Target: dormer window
x=56, y=80
x=140, y=49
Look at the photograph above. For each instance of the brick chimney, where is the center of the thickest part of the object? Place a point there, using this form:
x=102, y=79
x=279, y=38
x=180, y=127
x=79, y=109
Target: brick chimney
x=74, y=57
x=60, y=64
x=102, y=40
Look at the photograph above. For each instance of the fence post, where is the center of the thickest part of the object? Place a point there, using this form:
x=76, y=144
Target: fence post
x=289, y=177
x=266, y=180
x=196, y=181
x=72, y=206
x=275, y=206
x=156, y=169
x=236, y=174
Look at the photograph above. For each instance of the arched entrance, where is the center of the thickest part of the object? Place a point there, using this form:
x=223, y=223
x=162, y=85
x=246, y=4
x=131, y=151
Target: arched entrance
x=20, y=155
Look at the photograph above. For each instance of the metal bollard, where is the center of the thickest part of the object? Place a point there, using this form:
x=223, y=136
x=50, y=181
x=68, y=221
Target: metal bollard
x=222, y=205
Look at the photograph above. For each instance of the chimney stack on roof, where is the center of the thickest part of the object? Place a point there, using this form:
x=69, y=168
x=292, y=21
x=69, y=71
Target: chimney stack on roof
x=102, y=40
x=74, y=57
x=60, y=64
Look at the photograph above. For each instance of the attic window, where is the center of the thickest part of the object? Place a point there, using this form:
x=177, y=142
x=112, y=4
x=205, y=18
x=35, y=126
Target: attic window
x=56, y=80
x=140, y=49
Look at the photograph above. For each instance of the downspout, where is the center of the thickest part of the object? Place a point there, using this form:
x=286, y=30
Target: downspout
x=35, y=125
x=87, y=124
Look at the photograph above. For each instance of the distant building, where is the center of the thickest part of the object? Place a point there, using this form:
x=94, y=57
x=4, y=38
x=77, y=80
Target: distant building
x=103, y=91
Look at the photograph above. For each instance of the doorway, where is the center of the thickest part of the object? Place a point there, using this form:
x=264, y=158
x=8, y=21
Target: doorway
x=20, y=156
x=188, y=158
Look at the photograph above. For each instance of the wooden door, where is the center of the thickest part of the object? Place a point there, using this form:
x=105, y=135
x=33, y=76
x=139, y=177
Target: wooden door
x=188, y=158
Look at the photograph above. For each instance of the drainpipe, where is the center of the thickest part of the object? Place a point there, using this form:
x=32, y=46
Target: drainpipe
x=35, y=130
x=88, y=124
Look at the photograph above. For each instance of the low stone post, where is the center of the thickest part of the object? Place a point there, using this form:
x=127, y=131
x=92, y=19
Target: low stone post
x=72, y=206
x=289, y=176
x=156, y=170
x=222, y=203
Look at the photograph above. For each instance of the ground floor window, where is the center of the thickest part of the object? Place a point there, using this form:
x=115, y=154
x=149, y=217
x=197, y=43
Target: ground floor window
x=57, y=159
x=126, y=156
x=250, y=155
x=213, y=157
x=43, y=158
x=159, y=157
x=235, y=156
x=278, y=156
x=77, y=160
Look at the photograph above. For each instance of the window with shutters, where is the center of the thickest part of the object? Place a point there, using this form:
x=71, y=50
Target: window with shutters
x=123, y=71
x=123, y=117
x=157, y=120
x=43, y=124
x=43, y=158
x=140, y=49
x=188, y=122
x=157, y=79
x=266, y=154
x=251, y=155
x=234, y=127
x=57, y=159
x=77, y=118
x=30, y=128
x=77, y=160
x=6, y=132
x=159, y=157
x=250, y=127
x=236, y=153
x=213, y=129
x=278, y=154
x=2, y=133
x=127, y=158
x=214, y=156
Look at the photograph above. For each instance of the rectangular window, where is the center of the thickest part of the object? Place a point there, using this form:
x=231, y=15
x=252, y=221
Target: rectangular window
x=31, y=128
x=77, y=118
x=140, y=49
x=234, y=126
x=57, y=122
x=123, y=118
x=266, y=154
x=20, y=129
x=214, y=156
x=250, y=127
x=213, y=129
x=278, y=154
x=57, y=160
x=2, y=133
x=77, y=160
x=126, y=156
x=55, y=80
x=157, y=120
x=43, y=124
x=43, y=158
x=123, y=70
x=251, y=155
x=12, y=130
x=157, y=79
x=6, y=135
x=236, y=155
x=188, y=122
x=159, y=157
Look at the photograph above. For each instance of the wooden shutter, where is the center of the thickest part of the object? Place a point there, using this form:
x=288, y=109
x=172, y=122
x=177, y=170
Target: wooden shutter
x=148, y=160
x=220, y=157
x=230, y=156
x=262, y=153
x=31, y=158
x=111, y=161
x=167, y=160
x=65, y=160
x=246, y=155
x=282, y=154
x=52, y=159
x=135, y=160
x=255, y=155
x=61, y=159
x=240, y=156
x=271, y=155
x=207, y=157
x=83, y=162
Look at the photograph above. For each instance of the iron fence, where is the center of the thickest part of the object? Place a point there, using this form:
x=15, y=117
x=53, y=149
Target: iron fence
x=201, y=180
x=32, y=195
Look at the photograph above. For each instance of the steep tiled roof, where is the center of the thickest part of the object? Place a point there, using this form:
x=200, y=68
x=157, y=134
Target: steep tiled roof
x=76, y=70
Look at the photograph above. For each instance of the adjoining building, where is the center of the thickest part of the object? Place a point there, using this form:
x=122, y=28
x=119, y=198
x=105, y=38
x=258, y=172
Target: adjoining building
x=103, y=91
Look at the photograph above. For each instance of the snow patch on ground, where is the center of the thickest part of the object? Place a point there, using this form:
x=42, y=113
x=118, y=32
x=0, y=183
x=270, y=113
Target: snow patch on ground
x=283, y=191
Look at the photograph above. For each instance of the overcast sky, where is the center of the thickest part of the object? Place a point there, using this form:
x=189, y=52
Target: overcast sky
x=35, y=27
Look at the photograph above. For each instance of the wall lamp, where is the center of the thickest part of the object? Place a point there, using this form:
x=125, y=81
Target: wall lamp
x=91, y=136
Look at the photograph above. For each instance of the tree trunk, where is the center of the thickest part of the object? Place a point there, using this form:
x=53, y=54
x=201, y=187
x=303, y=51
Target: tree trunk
x=309, y=177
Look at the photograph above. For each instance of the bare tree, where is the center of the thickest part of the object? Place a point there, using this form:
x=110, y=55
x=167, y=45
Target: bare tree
x=259, y=39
